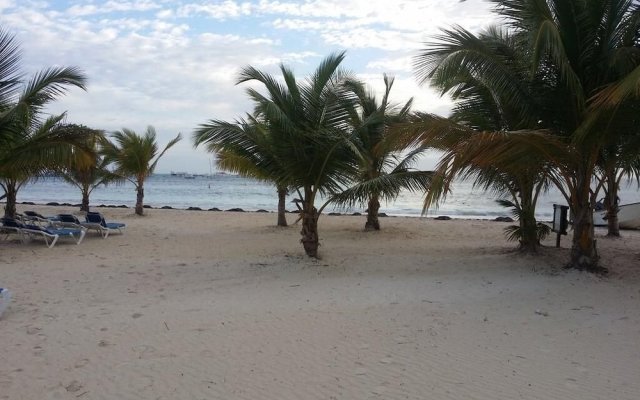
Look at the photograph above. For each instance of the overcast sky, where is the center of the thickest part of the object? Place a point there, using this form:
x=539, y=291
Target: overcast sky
x=173, y=64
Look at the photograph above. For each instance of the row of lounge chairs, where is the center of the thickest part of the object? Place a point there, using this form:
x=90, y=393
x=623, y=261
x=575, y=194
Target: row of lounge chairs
x=33, y=225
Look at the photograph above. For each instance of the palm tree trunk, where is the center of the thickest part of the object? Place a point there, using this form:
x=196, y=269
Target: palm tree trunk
x=282, y=198
x=309, y=230
x=613, y=226
x=528, y=224
x=372, y=223
x=584, y=255
x=529, y=240
x=85, y=200
x=140, y=200
x=11, y=194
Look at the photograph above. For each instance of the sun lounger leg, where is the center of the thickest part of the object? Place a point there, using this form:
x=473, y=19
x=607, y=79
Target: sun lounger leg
x=53, y=242
x=82, y=233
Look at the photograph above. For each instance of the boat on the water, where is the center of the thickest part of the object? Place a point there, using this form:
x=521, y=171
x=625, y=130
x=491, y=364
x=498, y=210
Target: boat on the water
x=628, y=216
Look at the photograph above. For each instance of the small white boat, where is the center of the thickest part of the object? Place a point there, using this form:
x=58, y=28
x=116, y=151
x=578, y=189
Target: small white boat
x=628, y=216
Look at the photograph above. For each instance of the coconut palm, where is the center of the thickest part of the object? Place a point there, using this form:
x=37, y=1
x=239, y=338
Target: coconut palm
x=384, y=168
x=45, y=146
x=30, y=144
x=135, y=158
x=586, y=54
x=588, y=50
x=246, y=147
x=88, y=174
x=619, y=160
x=487, y=74
x=309, y=124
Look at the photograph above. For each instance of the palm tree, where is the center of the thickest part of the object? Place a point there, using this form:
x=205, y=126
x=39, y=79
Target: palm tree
x=30, y=145
x=136, y=157
x=45, y=146
x=309, y=124
x=619, y=160
x=248, y=148
x=588, y=52
x=88, y=174
x=585, y=52
x=488, y=76
x=383, y=169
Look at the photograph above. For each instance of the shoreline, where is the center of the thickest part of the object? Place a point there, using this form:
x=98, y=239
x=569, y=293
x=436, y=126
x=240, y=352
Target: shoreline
x=496, y=218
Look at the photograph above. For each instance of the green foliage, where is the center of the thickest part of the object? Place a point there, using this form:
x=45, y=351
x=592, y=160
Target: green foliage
x=31, y=144
x=384, y=165
x=135, y=156
x=523, y=233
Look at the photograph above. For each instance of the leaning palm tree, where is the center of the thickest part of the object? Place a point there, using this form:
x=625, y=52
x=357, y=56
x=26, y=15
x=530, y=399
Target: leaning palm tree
x=309, y=124
x=135, y=157
x=384, y=167
x=248, y=148
x=88, y=173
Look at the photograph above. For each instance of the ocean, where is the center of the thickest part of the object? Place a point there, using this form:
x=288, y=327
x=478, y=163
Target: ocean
x=226, y=191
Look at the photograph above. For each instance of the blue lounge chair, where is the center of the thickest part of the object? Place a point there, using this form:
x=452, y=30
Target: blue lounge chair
x=67, y=221
x=95, y=220
x=50, y=234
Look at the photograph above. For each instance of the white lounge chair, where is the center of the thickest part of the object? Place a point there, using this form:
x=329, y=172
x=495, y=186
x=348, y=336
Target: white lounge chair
x=50, y=234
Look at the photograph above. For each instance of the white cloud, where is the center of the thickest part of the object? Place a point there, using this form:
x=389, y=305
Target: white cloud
x=165, y=63
x=111, y=6
x=216, y=10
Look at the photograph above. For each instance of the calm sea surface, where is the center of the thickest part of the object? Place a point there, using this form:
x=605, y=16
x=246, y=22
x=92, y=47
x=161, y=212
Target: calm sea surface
x=229, y=191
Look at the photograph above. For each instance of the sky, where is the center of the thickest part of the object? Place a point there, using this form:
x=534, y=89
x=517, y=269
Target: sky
x=174, y=64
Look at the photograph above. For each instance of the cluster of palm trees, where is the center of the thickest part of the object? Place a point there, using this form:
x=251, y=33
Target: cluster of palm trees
x=550, y=98
x=327, y=138
x=32, y=145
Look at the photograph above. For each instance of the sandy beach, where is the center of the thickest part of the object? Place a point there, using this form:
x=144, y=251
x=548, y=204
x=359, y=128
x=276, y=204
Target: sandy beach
x=221, y=305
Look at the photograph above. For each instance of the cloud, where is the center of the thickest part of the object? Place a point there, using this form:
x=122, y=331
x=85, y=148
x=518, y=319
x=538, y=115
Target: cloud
x=174, y=65
x=216, y=10
x=112, y=6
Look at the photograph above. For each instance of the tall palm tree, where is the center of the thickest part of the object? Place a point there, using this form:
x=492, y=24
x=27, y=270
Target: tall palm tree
x=384, y=168
x=588, y=51
x=248, y=148
x=309, y=123
x=619, y=160
x=88, y=173
x=30, y=144
x=585, y=52
x=135, y=157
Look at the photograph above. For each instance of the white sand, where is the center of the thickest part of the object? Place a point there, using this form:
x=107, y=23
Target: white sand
x=204, y=305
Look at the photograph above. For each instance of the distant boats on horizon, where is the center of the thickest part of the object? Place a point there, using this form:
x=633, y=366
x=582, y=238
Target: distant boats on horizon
x=187, y=175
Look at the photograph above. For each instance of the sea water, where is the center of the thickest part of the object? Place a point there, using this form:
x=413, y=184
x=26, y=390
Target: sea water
x=225, y=191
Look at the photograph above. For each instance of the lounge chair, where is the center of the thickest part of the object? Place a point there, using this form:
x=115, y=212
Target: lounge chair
x=50, y=234
x=9, y=226
x=67, y=221
x=39, y=219
x=95, y=220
